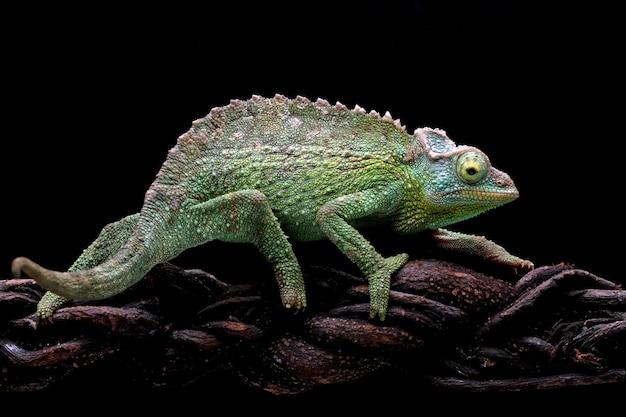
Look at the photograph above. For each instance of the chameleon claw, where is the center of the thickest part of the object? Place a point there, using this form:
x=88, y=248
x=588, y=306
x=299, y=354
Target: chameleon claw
x=374, y=314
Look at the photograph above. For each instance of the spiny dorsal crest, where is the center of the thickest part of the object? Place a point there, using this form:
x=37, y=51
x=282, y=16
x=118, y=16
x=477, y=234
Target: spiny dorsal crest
x=218, y=116
x=433, y=142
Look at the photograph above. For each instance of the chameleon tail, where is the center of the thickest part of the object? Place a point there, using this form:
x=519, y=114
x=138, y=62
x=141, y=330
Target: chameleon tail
x=103, y=273
x=103, y=281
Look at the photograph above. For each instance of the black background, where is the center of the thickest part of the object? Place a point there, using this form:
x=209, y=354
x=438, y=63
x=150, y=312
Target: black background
x=95, y=94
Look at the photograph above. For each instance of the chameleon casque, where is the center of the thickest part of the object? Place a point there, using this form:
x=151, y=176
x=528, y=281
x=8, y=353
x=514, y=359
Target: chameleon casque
x=269, y=170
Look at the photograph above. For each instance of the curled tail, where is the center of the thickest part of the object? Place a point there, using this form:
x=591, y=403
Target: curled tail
x=122, y=255
x=103, y=281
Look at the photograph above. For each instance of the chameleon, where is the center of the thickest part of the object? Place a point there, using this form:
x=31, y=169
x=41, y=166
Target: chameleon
x=274, y=170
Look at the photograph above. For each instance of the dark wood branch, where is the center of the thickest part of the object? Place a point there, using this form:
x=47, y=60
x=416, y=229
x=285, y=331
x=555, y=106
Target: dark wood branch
x=450, y=326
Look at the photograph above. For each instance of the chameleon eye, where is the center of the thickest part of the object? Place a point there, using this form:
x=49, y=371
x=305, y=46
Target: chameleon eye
x=471, y=167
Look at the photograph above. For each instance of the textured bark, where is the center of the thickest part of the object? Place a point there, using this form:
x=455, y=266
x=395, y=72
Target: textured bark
x=448, y=325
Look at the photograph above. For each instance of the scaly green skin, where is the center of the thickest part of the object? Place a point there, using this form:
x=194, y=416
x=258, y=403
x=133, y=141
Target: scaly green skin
x=267, y=170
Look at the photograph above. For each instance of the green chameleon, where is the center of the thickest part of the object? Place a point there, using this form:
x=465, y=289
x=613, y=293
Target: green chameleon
x=267, y=170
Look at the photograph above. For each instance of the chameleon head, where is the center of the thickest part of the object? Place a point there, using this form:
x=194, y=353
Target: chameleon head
x=460, y=181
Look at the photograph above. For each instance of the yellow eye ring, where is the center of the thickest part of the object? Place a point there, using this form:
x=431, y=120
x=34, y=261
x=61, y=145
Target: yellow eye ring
x=471, y=167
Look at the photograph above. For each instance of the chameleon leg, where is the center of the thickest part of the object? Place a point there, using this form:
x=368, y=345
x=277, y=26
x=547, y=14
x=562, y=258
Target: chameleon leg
x=480, y=246
x=333, y=219
x=108, y=242
x=246, y=216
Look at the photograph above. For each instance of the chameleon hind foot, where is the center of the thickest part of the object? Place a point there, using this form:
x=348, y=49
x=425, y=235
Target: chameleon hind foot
x=49, y=303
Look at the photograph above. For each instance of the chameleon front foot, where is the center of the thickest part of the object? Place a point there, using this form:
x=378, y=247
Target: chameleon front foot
x=293, y=298
x=518, y=263
x=379, y=285
x=480, y=246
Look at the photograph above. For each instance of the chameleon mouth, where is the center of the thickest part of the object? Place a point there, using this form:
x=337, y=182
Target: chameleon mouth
x=490, y=195
x=482, y=195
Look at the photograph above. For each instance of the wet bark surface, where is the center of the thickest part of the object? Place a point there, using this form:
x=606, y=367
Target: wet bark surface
x=448, y=326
